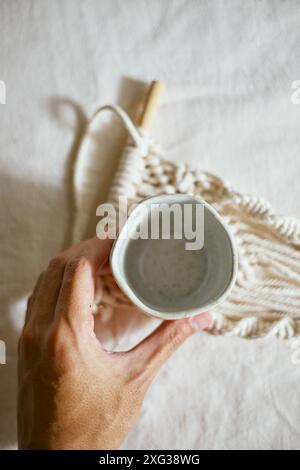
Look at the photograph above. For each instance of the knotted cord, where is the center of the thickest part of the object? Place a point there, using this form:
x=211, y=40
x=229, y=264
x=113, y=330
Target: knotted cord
x=266, y=297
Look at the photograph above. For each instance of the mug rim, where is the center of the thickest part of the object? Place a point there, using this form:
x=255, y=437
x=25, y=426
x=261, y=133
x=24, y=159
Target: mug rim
x=124, y=286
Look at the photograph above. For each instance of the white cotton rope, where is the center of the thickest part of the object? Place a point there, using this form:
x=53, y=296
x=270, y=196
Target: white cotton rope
x=265, y=300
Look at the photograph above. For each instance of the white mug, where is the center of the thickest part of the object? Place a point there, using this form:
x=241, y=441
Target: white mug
x=170, y=278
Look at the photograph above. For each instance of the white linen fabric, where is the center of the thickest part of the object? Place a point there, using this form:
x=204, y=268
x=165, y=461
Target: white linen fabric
x=265, y=299
x=229, y=67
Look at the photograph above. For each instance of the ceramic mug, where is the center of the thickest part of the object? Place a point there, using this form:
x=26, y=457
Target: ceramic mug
x=160, y=275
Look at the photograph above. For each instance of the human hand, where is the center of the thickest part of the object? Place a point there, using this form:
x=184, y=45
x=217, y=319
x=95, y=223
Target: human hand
x=72, y=393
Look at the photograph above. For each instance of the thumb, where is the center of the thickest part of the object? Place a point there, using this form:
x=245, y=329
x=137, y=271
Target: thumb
x=149, y=356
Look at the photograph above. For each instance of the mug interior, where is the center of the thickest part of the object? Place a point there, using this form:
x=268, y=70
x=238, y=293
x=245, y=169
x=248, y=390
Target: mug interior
x=162, y=276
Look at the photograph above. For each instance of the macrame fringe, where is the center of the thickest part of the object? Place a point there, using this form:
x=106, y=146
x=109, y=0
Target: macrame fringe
x=265, y=300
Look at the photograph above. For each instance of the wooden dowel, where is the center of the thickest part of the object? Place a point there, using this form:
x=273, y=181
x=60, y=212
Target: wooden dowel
x=151, y=102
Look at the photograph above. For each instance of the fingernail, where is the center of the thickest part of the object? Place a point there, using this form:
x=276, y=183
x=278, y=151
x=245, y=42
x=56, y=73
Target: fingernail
x=201, y=322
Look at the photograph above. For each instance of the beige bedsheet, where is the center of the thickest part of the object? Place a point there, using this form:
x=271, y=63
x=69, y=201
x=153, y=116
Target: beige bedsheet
x=229, y=67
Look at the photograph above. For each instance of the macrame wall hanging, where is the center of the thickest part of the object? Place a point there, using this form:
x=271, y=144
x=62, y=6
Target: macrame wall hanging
x=265, y=300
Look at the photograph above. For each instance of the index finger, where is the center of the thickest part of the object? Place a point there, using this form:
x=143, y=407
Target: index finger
x=82, y=262
x=96, y=251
